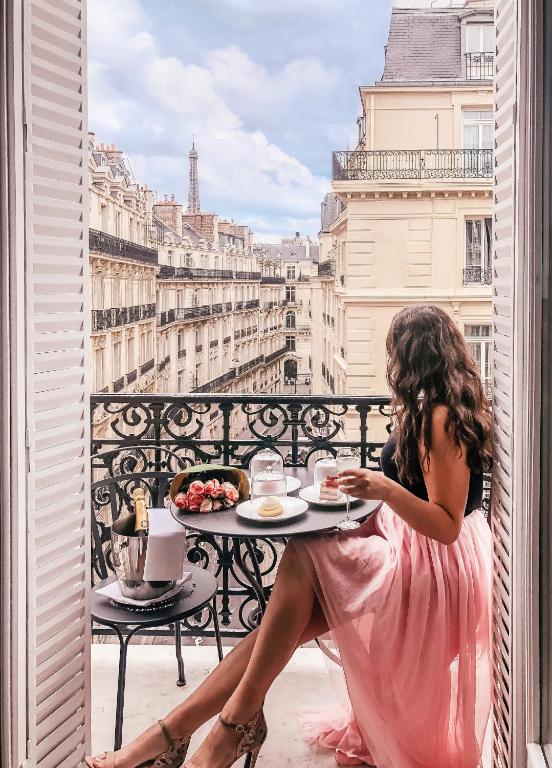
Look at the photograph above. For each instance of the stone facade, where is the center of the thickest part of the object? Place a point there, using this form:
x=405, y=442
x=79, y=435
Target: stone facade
x=414, y=224
x=178, y=300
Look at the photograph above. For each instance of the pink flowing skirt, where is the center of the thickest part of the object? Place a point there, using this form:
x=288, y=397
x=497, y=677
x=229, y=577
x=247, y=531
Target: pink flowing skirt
x=411, y=619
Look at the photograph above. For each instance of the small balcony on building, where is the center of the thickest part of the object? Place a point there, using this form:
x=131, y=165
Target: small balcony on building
x=480, y=65
x=110, y=245
x=326, y=269
x=273, y=280
x=115, y=317
x=478, y=275
x=428, y=164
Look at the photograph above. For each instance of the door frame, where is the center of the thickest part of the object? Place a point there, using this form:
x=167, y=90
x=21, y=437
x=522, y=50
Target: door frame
x=13, y=452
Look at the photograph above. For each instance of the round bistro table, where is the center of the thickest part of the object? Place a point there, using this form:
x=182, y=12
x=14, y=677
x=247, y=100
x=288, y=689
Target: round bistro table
x=315, y=520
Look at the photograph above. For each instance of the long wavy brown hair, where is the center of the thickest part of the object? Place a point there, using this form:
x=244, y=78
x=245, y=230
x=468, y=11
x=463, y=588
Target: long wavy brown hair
x=429, y=364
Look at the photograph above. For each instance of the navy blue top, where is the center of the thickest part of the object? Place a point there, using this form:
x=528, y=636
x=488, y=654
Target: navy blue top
x=418, y=488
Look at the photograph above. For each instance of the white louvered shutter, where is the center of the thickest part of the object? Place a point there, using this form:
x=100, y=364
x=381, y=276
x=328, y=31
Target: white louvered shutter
x=503, y=312
x=57, y=381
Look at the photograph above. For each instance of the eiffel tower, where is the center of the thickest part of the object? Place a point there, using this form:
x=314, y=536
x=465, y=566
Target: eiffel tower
x=193, y=188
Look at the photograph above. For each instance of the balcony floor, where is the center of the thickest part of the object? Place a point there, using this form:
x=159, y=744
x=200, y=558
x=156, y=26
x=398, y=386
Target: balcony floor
x=151, y=691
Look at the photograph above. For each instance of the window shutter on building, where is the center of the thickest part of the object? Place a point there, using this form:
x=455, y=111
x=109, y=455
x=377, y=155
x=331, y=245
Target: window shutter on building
x=57, y=381
x=504, y=325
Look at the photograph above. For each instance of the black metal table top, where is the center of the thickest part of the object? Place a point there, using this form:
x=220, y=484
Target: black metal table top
x=195, y=594
x=315, y=520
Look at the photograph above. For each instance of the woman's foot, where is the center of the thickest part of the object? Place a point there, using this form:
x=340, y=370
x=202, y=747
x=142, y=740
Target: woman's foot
x=227, y=741
x=142, y=751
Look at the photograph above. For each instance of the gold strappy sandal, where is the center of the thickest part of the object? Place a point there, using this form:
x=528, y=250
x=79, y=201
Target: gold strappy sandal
x=173, y=757
x=253, y=734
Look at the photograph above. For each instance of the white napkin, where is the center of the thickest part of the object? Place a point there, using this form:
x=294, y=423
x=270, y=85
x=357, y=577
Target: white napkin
x=166, y=547
x=113, y=592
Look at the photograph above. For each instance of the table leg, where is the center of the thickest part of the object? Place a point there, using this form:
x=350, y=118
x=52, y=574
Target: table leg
x=179, y=660
x=253, y=576
x=121, y=683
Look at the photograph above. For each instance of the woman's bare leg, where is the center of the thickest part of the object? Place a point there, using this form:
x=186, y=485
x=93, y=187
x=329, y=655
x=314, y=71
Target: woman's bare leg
x=288, y=615
x=213, y=693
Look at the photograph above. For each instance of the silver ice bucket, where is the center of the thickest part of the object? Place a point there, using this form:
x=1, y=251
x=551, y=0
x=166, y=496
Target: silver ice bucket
x=129, y=560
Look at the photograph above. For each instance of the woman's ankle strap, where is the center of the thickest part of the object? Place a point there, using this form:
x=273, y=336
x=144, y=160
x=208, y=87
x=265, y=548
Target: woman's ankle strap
x=162, y=724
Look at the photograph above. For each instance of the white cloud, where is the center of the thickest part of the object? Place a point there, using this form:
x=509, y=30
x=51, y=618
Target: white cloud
x=152, y=104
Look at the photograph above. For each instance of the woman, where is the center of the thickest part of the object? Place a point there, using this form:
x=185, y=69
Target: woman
x=406, y=596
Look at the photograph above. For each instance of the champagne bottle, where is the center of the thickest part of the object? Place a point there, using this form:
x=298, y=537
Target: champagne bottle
x=141, y=525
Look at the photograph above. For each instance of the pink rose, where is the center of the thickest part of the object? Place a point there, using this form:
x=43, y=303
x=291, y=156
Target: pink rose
x=218, y=492
x=230, y=492
x=194, y=501
x=180, y=500
x=210, y=486
x=196, y=487
x=217, y=505
x=206, y=505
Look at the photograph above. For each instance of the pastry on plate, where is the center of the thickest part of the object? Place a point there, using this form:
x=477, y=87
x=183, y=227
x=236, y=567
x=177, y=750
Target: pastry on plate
x=329, y=490
x=271, y=507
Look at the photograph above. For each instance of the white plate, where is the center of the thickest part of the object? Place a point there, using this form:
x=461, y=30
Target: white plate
x=292, y=508
x=293, y=483
x=311, y=494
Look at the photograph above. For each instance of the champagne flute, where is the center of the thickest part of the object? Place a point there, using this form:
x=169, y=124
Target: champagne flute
x=347, y=458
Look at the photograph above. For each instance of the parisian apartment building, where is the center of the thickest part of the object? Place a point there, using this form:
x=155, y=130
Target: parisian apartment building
x=180, y=299
x=409, y=218
x=294, y=262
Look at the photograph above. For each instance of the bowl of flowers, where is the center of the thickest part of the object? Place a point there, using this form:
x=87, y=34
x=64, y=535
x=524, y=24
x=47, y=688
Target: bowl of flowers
x=209, y=488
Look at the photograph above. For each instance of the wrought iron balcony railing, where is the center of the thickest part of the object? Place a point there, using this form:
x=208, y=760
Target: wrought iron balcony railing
x=147, y=366
x=276, y=355
x=480, y=66
x=272, y=280
x=166, y=272
x=104, y=319
x=155, y=435
x=241, y=370
x=132, y=376
x=101, y=242
x=218, y=383
x=477, y=274
x=119, y=384
x=248, y=275
x=326, y=268
x=413, y=164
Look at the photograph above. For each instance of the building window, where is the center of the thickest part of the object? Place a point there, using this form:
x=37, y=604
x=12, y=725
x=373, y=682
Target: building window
x=99, y=370
x=290, y=293
x=290, y=319
x=97, y=292
x=290, y=343
x=130, y=354
x=115, y=292
x=478, y=129
x=480, y=38
x=117, y=360
x=181, y=343
x=290, y=272
x=479, y=236
x=478, y=338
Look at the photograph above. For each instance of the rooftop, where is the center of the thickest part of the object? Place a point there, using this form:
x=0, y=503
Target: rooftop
x=425, y=44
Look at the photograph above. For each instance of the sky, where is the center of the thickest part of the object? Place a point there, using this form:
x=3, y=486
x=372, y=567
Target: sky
x=268, y=88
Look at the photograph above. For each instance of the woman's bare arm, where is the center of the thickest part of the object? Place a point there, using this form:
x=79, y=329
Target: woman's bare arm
x=447, y=481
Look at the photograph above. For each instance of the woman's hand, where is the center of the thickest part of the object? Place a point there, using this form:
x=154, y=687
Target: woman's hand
x=364, y=484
